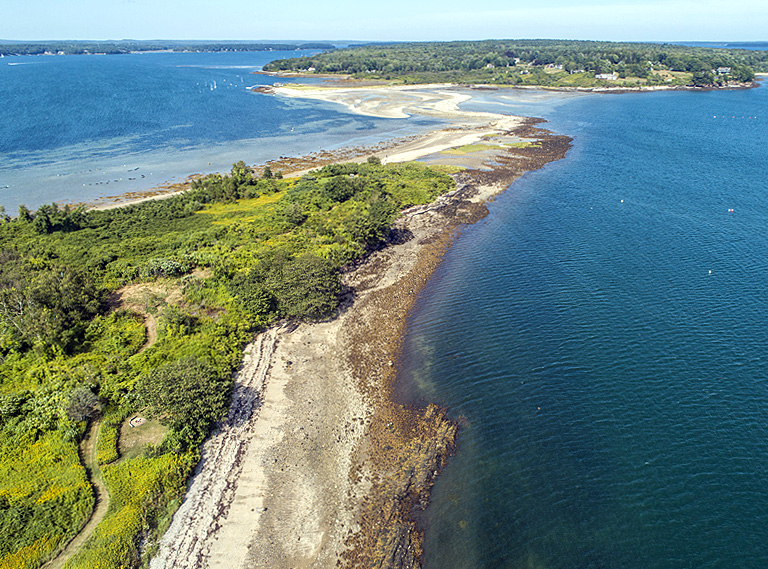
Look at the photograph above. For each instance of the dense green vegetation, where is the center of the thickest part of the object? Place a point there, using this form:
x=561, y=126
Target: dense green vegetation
x=127, y=46
x=536, y=62
x=211, y=266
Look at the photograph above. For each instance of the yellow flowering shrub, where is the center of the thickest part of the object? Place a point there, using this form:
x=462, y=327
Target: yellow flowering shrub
x=29, y=556
x=140, y=490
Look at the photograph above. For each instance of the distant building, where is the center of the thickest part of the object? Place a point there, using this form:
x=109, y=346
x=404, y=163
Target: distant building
x=490, y=66
x=607, y=76
x=723, y=70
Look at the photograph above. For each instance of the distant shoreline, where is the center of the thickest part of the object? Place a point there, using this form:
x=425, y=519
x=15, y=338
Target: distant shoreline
x=345, y=82
x=91, y=47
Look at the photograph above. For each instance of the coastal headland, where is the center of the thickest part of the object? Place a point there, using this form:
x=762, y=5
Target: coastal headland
x=317, y=464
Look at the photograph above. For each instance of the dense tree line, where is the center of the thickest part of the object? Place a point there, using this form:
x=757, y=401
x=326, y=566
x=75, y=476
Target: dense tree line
x=116, y=47
x=45, y=305
x=482, y=60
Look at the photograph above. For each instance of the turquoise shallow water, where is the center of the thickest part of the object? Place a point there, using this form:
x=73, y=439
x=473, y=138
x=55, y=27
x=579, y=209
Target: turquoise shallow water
x=76, y=128
x=602, y=337
x=612, y=389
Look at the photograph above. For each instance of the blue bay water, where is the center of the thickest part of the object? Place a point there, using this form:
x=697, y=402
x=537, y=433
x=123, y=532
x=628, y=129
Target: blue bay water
x=75, y=128
x=612, y=389
x=602, y=337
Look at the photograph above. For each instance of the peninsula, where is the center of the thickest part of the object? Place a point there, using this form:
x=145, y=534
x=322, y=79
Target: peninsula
x=137, y=316
x=538, y=63
x=317, y=464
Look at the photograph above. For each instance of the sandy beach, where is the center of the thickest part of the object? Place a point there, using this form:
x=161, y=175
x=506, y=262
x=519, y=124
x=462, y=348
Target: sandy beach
x=385, y=102
x=316, y=464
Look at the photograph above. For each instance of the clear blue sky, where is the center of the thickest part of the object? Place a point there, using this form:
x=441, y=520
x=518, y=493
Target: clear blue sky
x=623, y=20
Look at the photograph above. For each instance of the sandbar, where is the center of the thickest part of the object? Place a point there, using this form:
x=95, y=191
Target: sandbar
x=317, y=465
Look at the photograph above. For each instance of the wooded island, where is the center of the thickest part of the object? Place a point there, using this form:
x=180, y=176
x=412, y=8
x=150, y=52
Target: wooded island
x=550, y=63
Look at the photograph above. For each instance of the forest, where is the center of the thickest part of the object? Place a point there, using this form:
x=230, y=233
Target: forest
x=138, y=315
x=128, y=46
x=552, y=63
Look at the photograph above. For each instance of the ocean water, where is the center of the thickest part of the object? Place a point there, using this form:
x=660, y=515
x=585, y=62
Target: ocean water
x=602, y=337
x=78, y=128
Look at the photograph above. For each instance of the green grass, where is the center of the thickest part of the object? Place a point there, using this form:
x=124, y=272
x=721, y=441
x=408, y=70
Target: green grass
x=523, y=144
x=470, y=149
x=196, y=245
x=244, y=211
x=46, y=497
x=135, y=440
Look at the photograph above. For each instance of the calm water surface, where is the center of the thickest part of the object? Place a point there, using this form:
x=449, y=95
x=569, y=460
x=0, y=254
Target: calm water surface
x=602, y=335
x=75, y=128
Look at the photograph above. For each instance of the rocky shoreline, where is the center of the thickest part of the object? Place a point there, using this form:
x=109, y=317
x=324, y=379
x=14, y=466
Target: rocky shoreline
x=318, y=465
x=408, y=447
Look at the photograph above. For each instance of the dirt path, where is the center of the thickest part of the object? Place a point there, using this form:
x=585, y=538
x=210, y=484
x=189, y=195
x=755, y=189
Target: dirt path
x=151, y=324
x=88, y=453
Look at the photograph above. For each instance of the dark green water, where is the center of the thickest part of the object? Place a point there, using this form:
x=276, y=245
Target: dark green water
x=603, y=335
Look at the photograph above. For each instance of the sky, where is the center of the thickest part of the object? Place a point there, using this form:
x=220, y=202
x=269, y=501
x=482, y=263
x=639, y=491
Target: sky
x=393, y=20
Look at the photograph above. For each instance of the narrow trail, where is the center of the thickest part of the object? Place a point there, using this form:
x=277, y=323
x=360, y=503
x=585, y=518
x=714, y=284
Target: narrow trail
x=88, y=453
x=187, y=542
x=150, y=323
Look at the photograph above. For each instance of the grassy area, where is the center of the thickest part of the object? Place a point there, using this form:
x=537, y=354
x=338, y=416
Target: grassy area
x=134, y=440
x=118, y=308
x=523, y=144
x=470, y=149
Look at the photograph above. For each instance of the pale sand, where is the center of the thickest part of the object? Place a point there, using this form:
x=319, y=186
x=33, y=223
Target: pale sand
x=276, y=486
x=403, y=101
x=389, y=102
x=294, y=477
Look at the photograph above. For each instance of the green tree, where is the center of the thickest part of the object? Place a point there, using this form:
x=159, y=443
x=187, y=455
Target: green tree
x=306, y=288
x=742, y=73
x=188, y=395
x=703, y=78
x=24, y=214
x=241, y=173
x=49, y=307
x=83, y=405
x=252, y=294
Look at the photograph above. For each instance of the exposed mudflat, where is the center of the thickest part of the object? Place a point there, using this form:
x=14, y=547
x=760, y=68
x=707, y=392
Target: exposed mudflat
x=317, y=465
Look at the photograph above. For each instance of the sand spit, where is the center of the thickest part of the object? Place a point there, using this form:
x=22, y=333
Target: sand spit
x=393, y=150
x=316, y=465
x=388, y=102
